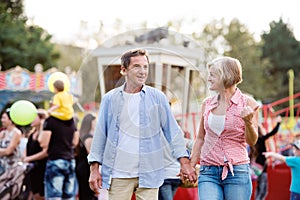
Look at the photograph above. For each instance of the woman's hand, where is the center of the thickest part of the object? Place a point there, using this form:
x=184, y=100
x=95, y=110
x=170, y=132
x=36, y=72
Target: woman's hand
x=250, y=117
x=247, y=114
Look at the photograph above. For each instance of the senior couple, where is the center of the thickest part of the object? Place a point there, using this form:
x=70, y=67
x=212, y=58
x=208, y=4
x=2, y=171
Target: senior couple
x=135, y=126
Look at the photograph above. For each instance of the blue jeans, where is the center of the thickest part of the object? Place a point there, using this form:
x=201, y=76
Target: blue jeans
x=60, y=179
x=168, y=189
x=295, y=196
x=212, y=187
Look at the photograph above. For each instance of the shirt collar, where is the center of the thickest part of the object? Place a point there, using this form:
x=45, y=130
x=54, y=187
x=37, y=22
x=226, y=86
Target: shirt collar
x=122, y=87
x=214, y=101
x=236, y=96
x=234, y=99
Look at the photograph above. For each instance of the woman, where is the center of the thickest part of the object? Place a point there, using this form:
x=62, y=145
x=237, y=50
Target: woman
x=36, y=153
x=82, y=167
x=10, y=138
x=228, y=122
x=260, y=160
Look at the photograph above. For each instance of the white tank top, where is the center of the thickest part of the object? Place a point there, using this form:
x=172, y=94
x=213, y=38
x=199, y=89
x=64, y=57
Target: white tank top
x=216, y=123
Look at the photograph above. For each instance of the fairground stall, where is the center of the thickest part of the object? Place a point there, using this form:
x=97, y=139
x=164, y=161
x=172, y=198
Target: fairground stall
x=20, y=84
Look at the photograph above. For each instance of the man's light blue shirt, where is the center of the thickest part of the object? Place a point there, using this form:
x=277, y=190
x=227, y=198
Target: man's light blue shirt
x=156, y=121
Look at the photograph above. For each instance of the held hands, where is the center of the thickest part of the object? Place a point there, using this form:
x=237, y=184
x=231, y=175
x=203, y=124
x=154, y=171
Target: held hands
x=187, y=172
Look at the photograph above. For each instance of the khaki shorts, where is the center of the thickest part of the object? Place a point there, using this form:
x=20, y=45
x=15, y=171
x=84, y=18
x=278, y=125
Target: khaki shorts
x=123, y=188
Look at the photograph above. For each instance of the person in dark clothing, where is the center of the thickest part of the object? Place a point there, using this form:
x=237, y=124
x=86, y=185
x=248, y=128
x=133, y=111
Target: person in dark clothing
x=260, y=147
x=36, y=153
x=60, y=177
x=82, y=165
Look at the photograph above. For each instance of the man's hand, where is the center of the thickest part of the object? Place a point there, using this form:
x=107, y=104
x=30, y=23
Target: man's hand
x=95, y=180
x=187, y=172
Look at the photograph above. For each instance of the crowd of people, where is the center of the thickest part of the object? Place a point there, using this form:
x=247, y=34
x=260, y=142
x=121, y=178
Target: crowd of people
x=259, y=161
x=134, y=146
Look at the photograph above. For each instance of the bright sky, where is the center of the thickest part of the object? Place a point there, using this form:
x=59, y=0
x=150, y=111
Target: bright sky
x=61, y=18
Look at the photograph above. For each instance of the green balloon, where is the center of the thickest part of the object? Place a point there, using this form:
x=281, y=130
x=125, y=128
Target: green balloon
x=23, y=112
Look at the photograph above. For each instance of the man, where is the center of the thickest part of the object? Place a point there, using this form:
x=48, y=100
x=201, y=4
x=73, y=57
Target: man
x=260, y=160
x=133, y=121
x=61, y=136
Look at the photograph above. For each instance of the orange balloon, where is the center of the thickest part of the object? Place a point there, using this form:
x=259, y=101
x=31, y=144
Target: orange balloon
x=58, y=76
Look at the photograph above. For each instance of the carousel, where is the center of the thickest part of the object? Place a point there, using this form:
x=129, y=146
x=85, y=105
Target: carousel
x=20, y=84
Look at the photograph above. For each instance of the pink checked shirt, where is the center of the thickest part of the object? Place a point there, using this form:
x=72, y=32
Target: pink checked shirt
x=231, y=143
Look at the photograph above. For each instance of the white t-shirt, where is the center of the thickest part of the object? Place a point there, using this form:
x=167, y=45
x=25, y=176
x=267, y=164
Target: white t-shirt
x=127, y=155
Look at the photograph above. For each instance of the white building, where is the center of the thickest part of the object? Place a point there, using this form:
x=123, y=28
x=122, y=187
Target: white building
x=177, y=70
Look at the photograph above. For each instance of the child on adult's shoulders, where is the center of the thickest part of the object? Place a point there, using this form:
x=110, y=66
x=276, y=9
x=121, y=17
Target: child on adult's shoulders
x=62, y=104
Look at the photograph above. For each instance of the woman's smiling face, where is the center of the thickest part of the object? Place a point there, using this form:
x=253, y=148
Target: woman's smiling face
x=5, y=120
x=214, y=78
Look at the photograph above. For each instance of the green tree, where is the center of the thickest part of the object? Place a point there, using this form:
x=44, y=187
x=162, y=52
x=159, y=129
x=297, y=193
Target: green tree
x=21, y=44
x=211, y=39
x=14, y=8
x=69, y=56
x=282, y=51
x=243, y=46
x=235, y=40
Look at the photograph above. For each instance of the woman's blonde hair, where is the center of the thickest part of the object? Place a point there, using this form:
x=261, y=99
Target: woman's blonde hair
x=229, y=69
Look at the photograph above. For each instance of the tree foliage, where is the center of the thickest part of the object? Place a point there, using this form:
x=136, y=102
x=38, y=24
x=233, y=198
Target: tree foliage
x=244, y=47
x=265, y=63
x=211, y=39
x=14, y=8
x=21, y=44
x=235, y=40
x=282, y=51
x=69, y=56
